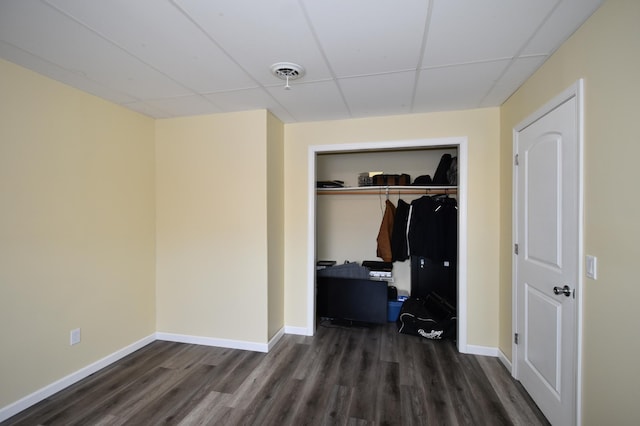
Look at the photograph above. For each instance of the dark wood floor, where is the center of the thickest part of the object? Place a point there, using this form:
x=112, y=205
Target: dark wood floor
x=342, y=376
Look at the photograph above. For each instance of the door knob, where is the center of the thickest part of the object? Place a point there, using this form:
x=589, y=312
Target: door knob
x=562, y=290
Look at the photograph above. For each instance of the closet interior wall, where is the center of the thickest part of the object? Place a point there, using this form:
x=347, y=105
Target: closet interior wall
x=348, y=224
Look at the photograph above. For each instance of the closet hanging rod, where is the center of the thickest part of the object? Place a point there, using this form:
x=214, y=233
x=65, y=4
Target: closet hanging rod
x=379, y=190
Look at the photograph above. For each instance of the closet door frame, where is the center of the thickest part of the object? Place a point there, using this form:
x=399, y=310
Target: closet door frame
x=458, y=142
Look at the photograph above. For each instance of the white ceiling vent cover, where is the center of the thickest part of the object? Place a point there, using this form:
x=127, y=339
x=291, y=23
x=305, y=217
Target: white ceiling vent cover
x=287, y=71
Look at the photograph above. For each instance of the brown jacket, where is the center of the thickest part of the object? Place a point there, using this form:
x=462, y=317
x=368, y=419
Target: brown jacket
x=384, y=234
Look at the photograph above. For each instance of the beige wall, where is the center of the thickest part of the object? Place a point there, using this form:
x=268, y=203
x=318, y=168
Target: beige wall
x=482, y=129
x=275, y=223
x=605, y=52
x=76, y=230
x=211, y=227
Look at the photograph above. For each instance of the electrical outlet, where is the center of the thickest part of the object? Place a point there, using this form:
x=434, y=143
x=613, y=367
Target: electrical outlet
x=74, y=337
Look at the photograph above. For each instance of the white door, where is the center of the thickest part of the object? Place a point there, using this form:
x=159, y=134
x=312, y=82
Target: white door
x=547, y=234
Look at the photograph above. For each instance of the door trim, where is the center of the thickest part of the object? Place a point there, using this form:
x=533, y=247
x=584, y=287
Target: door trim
x=461, y=143
x=576, y=91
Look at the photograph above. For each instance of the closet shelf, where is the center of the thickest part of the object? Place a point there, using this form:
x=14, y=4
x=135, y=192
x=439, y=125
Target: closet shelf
x=377, y=190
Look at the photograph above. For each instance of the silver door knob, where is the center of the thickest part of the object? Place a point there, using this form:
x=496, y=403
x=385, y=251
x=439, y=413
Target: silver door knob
x=566, y=290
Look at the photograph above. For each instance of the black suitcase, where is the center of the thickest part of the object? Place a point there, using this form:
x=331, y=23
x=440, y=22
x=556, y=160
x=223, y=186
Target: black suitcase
x=428, y=276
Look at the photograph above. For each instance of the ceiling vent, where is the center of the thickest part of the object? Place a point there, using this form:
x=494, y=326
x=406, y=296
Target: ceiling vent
x=287, y=71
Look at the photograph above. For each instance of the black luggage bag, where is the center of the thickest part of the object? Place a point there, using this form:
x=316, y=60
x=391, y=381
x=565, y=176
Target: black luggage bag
x=432, y=318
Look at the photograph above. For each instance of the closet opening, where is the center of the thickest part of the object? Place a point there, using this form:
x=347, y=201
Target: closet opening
x=347, y=205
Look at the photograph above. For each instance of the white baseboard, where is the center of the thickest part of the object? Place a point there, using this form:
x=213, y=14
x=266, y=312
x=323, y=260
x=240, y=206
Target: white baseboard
x=275, y=339
x=505, y=361
x=482, y=350
x=29, y=400
x=300, y=331
x=210, y=341
x=45, y=392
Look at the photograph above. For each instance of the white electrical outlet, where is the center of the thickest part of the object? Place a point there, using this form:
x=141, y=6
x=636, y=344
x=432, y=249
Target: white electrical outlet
x=75, y=337
x=592, y=267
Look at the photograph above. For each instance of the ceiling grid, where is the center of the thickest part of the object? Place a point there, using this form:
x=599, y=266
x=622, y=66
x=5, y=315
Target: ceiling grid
x=170, y=58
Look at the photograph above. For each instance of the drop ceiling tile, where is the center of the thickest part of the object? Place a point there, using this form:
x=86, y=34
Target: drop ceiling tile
x=464, y=31
x=517, y=73
x=249, y=99
x=184, y=105
x=239, y=100
x=46, y=33
x=55, y=72
x=569, y=15
x=364, y=37
x=258, y=34
x=311, y=101
x=383, y=94
x=160, y=35
x=456, y=87
x=145, y=109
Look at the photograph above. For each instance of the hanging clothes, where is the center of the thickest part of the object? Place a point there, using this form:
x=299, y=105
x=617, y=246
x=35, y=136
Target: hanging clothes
x=433, y=228
x=445, y=241
x=399, y=244
x=421, y=226
x=384, y=234
x=433, y=240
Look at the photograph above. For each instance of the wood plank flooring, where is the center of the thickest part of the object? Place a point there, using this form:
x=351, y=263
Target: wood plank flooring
x=341, y=376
